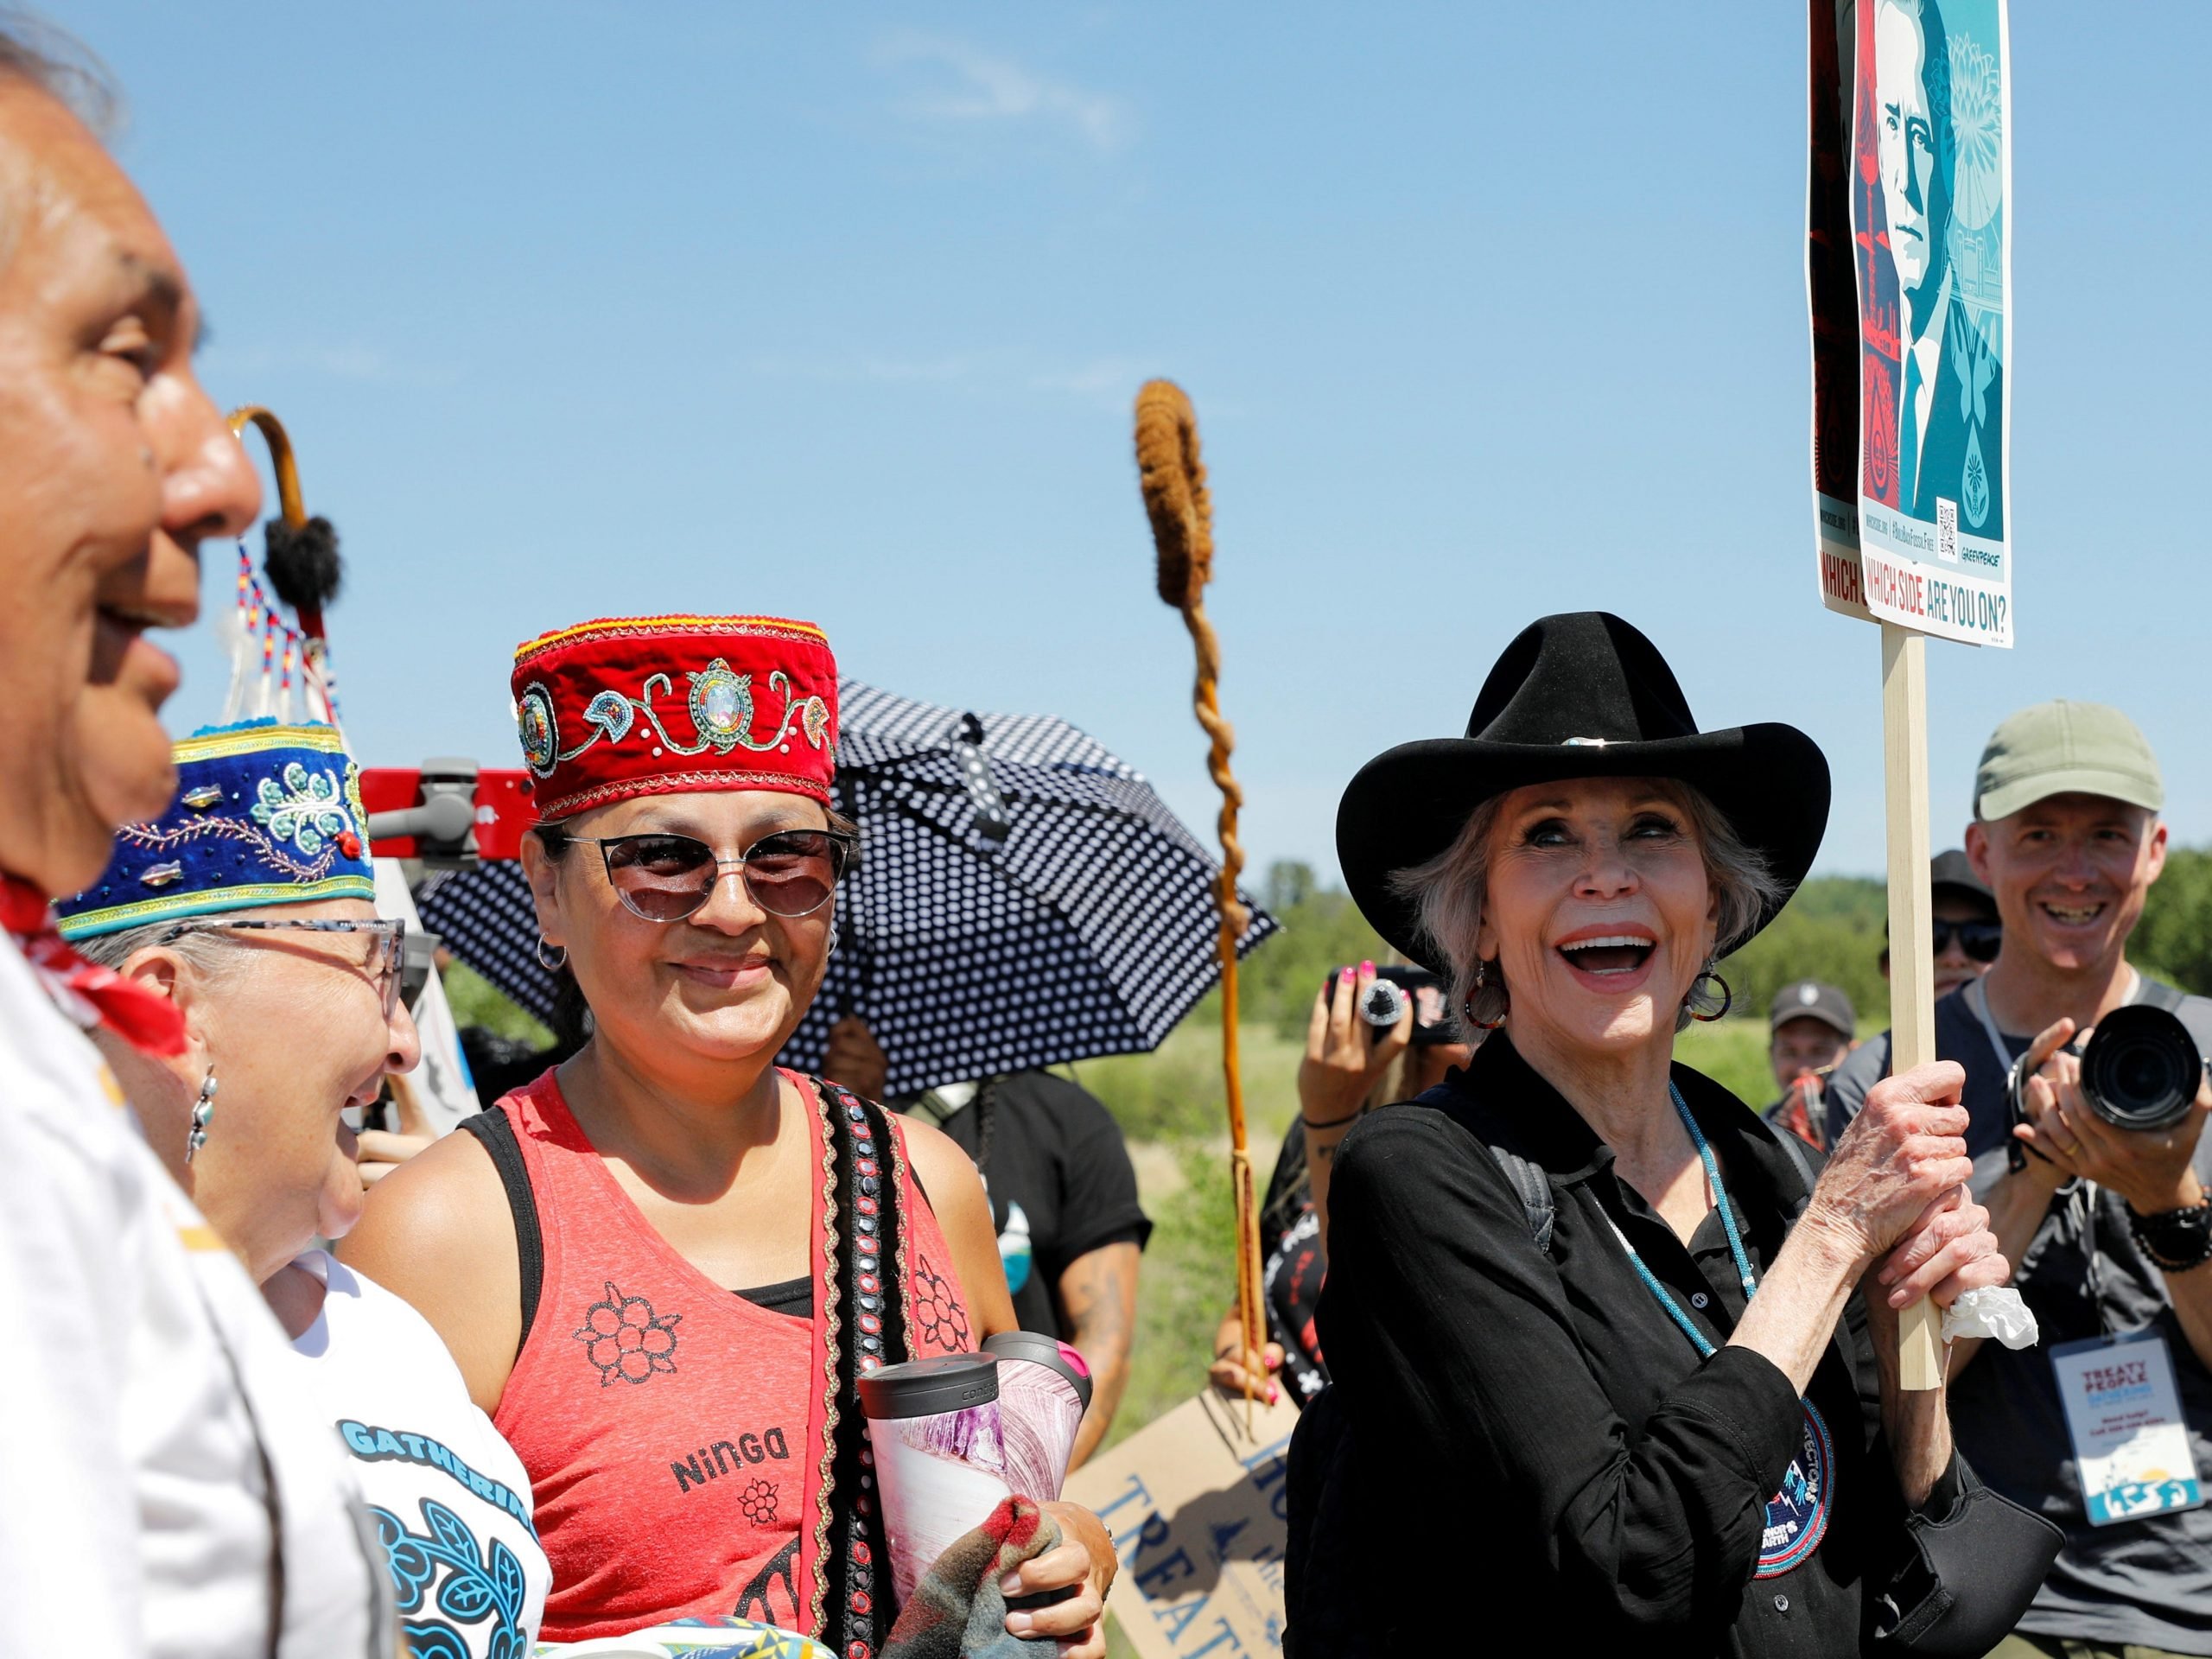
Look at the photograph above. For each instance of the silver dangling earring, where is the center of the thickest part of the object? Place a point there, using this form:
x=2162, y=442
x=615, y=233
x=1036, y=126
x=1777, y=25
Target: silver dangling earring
x=203, y=1113
x=1727, y=994
x=831, y=949
x=551, y=958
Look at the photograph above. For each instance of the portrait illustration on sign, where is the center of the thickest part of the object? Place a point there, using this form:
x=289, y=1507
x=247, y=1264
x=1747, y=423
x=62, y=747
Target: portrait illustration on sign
x=1929, y=178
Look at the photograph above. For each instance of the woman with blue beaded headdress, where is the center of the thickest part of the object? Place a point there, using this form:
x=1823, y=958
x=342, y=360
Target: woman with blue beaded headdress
x=249, y=906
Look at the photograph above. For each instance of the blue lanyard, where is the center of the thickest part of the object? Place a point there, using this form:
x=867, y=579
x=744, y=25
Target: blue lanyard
x=1698, y=1339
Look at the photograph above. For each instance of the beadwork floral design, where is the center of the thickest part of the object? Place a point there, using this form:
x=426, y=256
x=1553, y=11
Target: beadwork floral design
x=611, y=712
x=720, y=704
x=348, y=839
x=307, y=809
x=624, y=1338
x=541, y=741
x=814, y=719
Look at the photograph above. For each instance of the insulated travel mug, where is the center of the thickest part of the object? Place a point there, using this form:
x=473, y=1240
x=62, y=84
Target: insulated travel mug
x=1042, y=1397
x=940, y=1457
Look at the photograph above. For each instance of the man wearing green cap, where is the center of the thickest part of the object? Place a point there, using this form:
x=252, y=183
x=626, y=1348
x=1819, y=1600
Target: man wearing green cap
x=2108, y=1229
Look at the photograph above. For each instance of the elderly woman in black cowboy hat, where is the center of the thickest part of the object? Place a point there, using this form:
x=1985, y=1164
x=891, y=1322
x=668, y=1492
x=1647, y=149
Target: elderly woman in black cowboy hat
x=1607, y=1353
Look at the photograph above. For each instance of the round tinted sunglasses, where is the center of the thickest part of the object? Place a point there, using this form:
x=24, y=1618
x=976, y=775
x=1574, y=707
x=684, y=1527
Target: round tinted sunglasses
x=1980, y=940
x=667, y=878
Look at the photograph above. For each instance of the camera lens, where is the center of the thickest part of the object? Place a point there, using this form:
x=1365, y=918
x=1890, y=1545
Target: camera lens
x=2141, y=1069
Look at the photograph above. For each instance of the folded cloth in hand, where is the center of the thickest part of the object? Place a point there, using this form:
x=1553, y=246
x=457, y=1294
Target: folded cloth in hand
x=1992, y=1311
x=958, y=1611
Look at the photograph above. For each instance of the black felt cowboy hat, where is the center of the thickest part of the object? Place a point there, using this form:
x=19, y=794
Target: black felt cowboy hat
x=1582, y=695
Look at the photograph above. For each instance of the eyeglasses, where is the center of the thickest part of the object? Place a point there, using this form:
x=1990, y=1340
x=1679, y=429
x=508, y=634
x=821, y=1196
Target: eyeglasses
x=388, y=957
x=1980, y=940
x=668, y=878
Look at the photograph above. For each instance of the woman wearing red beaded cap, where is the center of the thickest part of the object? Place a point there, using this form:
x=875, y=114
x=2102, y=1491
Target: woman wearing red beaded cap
x=663, y=1265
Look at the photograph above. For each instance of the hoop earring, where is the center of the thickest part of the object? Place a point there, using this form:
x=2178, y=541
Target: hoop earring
x=551, y=958
x=1467, y=1005
x=830, y=950
x=1727, y=994
x=203, y=1113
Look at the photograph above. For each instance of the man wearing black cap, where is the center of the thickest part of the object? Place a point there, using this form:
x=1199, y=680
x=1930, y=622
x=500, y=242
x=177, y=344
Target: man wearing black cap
x=1810, y=1028
x=1968, y=929
x=2109, y=1229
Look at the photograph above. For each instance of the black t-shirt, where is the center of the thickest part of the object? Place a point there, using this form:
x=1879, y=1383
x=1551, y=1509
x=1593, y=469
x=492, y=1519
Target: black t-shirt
x=1060, y=1182
x=1290, y=1236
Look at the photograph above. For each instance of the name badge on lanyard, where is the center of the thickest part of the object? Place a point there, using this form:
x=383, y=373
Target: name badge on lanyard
x=2131, y=1442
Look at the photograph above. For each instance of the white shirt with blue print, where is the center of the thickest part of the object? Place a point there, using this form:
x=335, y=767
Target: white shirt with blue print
x=448, y=1498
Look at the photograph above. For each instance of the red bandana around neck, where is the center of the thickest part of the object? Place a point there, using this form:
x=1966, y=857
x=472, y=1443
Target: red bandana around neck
x=86, y=992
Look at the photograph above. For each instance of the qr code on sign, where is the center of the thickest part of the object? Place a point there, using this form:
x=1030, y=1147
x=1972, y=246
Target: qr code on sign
x=1946, y=531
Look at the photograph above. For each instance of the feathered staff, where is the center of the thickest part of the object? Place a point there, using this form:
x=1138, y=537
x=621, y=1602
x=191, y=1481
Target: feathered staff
x=1174, y=481
x=304, y=568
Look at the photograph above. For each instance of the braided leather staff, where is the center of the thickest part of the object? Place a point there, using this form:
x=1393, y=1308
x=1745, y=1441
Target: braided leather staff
x=1174, y=482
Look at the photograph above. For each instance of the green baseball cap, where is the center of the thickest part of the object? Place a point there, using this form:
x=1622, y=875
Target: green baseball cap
x=2065, y=748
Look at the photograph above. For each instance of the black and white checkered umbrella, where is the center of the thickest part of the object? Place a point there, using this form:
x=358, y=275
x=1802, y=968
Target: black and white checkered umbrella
x=1022, y=898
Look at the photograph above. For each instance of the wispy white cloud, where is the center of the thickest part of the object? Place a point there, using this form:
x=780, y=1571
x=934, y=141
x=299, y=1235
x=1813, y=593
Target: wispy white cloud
x=976, y=88
x=1114, y=378
x=1106, y=380
x=367, y=365
x=865, y=367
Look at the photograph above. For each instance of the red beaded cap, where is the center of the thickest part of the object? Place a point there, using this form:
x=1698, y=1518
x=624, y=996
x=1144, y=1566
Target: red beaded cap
x=660, y=705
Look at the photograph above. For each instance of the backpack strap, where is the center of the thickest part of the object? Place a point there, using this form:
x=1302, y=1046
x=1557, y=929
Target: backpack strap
x=1534, y=1190
x=1494, y=1134
x=867, y=1316
x=2157, y=994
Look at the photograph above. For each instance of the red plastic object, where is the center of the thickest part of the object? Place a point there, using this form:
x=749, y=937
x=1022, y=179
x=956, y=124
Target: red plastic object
x=504, y=809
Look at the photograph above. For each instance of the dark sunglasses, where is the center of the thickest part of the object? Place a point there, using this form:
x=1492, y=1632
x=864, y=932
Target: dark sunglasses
x=1980, y=940
x=667, y=878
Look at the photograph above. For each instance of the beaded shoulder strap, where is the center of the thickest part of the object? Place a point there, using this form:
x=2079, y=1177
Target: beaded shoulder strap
x=865, y=1314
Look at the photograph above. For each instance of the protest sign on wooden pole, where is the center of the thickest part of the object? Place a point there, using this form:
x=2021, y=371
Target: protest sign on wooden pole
x=1908, y=270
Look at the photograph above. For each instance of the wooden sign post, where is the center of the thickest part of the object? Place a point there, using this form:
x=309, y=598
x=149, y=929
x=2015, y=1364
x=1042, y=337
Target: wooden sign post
x=1912, y=922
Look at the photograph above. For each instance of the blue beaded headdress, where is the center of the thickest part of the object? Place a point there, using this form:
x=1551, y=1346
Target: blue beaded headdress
x=264, y=815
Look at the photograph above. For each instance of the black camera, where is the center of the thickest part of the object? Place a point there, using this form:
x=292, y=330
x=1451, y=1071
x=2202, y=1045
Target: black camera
x=2139, y=1071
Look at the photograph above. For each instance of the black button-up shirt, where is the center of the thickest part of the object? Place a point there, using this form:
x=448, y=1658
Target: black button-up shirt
x=1539, y=1450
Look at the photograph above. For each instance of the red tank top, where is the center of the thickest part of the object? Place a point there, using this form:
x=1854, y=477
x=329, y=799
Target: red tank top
x=676, y=1435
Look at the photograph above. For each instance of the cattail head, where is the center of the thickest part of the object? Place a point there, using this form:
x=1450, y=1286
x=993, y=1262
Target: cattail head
x=1174, y=482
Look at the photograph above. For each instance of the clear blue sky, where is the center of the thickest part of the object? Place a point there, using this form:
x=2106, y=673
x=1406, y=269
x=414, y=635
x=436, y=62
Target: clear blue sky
x=1488, y=311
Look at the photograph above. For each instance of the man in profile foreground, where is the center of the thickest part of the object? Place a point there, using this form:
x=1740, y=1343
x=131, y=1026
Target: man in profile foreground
x=135, y=1516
